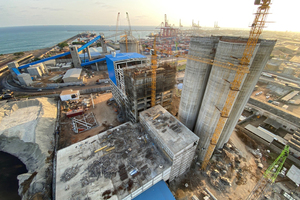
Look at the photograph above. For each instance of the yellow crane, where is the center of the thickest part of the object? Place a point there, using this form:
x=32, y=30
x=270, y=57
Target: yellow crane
x=153, y=76
x=241, y=70
x=126, y=41
x=256, y=30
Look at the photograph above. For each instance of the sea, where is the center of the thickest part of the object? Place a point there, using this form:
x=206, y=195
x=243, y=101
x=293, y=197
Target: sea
x=26, y=38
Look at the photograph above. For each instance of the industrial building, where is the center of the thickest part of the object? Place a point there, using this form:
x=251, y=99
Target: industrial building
x=125, y=161
x=172, y=137
x=37, y=70
x=206, y=87
x=130, y=77
x=67, y=95
x=25, y=79
x=72, y=75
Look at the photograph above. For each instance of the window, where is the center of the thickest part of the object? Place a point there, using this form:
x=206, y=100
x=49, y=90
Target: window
x=73, y=96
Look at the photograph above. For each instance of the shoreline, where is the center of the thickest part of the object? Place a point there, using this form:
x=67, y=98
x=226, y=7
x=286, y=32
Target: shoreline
x=37, y=53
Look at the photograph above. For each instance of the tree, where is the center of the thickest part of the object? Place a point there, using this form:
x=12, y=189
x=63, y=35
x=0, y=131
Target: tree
x=19, y=54
x=62, y=45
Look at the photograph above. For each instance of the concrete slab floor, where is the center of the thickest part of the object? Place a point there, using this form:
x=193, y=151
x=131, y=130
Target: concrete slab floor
x=82, y=173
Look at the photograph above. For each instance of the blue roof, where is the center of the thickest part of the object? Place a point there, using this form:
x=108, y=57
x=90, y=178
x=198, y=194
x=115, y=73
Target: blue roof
x=159, y=191
x=16, y=71
x=179, y=86
x=124, y=56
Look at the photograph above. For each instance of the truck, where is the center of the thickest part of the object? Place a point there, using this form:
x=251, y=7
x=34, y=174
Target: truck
x=6, y=94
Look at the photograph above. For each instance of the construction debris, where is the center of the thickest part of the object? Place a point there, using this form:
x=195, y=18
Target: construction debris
x=69, y=173
x=84, y=123
x=119, y=159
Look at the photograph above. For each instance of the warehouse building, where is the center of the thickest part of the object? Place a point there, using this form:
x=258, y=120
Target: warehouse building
x=72, y=75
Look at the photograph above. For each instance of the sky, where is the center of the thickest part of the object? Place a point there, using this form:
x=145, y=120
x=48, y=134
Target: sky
x=229, y=13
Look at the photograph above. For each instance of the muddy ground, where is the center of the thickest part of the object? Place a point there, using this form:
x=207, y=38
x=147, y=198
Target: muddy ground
x=105, y=115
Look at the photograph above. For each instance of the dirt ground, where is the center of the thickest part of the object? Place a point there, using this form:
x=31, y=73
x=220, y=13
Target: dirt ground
x=91, y=80
x=240, y=188
x=105, y=115
x=268, y=92
x=95, y=76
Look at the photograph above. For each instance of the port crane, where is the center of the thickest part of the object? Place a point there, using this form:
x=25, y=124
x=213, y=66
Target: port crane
x=127, y=34
x=269, y=176
x=241, y=69
x=118, y=21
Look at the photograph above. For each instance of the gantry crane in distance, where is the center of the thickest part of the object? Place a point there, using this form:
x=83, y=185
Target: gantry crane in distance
x=269, y=176
x=256, y=29
x=127, y=34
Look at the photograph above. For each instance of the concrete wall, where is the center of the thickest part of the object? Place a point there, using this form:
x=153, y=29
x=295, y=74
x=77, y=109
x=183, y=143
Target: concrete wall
x=94, y=90
x=75, y=57
x=25, y=79
x=133, y=46
x=258, y=64
x=216, y=92
x=63, y=60
x=34, y=71
x=13, y=65
x=195, y=79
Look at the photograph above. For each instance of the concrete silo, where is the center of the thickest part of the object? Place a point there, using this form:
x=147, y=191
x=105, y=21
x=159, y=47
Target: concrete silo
x=207, y=89
x=132, y=45
x=260, y=60
x=196, y=76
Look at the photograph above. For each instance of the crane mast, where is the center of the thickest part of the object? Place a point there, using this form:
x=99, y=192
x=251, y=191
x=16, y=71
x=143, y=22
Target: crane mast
x=118, y=19
x=153, y=76
x=256, y=30
x=269, y=176
x=127, y=16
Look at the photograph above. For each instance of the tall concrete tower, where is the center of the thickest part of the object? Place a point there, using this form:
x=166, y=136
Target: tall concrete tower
x=208, y=88
x=75, y=57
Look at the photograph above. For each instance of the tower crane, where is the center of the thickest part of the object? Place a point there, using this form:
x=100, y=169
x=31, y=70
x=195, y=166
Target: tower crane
x=256, y=30
x=153, y=76
x=118, y=20
x=127, y=16
x=269, y=176
x=241, y=70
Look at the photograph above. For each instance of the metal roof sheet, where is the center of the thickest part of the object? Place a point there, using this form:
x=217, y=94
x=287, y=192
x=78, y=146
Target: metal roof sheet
x=124, y=56
x=273, y=122
x=294, y=174
x=260, y=133
x=265, y=134
x=159, y=191
x=75, y=72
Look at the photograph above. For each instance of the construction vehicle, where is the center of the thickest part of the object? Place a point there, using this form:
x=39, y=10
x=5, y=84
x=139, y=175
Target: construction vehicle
x=241, y=70
x=6, y=94
x=269, y=176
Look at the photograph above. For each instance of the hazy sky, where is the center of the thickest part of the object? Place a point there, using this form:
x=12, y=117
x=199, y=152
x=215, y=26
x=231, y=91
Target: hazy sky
x=229, y=13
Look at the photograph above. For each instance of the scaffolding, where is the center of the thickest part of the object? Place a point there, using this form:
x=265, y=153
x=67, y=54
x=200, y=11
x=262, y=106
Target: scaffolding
x=138, y=88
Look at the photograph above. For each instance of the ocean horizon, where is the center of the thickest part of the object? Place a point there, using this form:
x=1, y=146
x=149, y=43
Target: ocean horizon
x=25, y=38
